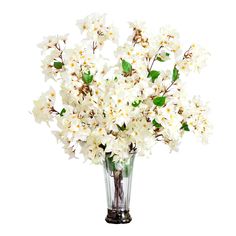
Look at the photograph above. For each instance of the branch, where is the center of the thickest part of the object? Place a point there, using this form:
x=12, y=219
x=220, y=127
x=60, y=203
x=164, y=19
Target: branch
x=167, y=89
x=53, y=110
x=94, y=47
x=154, y=59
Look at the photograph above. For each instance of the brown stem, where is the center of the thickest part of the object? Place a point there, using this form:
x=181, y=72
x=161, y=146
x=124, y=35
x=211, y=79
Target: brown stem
x=52, y=110
x=167, y=89
x=94, y=47
x=61, y=51
x=119, y=193
x=154, y=59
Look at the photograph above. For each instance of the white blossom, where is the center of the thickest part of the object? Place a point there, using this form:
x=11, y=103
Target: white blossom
x=194, y=59
x=95, y=28
x=168, y=38
x=44, y=107
x=124, y=104
x=52, y=42
x=196, y=118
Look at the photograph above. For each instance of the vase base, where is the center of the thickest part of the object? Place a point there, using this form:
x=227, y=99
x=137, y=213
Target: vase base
x=118, y=216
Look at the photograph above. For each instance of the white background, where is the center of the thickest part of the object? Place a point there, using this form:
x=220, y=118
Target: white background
x=42, y=193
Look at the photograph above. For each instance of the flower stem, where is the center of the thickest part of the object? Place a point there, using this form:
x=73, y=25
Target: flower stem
x=119, y=193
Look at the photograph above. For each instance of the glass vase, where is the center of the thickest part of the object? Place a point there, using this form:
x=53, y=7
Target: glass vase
x=118, y=178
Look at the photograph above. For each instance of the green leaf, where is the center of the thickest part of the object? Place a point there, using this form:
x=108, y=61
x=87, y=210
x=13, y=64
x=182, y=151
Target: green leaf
x=87, y=78
x=153, y=75
x=185, y=127
x=127, y=170
x=63, y=111
x=163, y=58
x=159, y=101
x=126, y=66
x=111, y=163
x=122, y=128
x=156, y=124
x=175, y=74
x=160, y=59
x=115, y=78
x=58, y=65
x=136, y=103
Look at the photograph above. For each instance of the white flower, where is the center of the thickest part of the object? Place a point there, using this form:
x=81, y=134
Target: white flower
x=142, y=135
x=92, y=149
x=44, y=107
x=75, y=127
x=196, y=118
x=51, y=42
x=80, y=58
x=95, y=28
x=194, y=59
x=134, y=55
x=120, y=149
x=169, y=39
x=48, y=66
x=170, y=120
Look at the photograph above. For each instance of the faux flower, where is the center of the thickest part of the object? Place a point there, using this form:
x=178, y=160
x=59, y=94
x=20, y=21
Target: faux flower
x=123, y=104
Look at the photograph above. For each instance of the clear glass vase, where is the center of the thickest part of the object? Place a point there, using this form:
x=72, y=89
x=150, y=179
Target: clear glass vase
x=118, y=178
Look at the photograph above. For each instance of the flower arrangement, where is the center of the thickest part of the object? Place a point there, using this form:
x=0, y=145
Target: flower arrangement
x=111, y=109
x=125, y=104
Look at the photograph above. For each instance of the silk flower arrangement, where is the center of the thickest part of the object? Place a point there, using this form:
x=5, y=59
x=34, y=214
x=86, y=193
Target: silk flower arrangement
x=113, y=109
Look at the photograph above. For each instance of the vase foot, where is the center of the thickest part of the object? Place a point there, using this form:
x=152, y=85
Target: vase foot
x=118, y=216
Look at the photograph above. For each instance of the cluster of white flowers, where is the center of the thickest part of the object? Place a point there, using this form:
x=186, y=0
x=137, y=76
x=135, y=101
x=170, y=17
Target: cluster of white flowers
x=169, y=39
x=193, y=60
x=96, y=30
x=44, y=107
x=52, y=48
x=122, y=108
